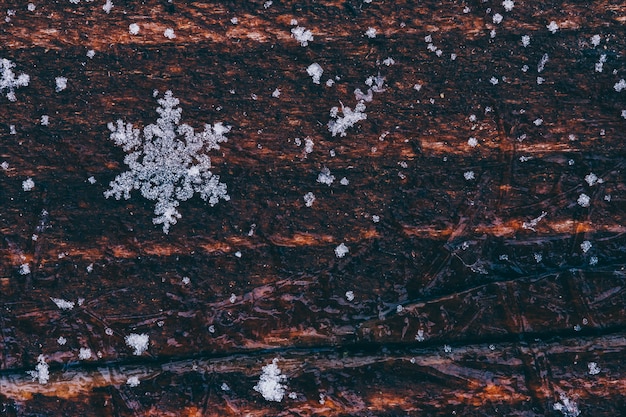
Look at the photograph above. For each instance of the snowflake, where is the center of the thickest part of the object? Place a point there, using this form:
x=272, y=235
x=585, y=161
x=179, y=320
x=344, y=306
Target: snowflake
x=302, y=35
x=270, y=385
x=139, y=342
x=349, y=119
x=8, y=80
x=168, y=164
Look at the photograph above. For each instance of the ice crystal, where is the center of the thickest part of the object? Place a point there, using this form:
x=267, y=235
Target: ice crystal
x=8, y=81
x=169, y=163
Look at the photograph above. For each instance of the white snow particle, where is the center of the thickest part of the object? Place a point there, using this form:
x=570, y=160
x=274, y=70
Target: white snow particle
x=8, y=81
x=542, y=62
x=344, y=181
x=341, y=250
x=61, y=340
x=583, y=200
x=91, y=53
x=553, y=27
x=350, y=118
x=133, y=381
x=24, y=269
x=620, y=85
x=624, y=114
x=494, y=80
x=585, y=246
x=133, y=28
x=370, y=32
x=309, y=198
x=139, y=342
x=84, y=354
x=497, y=18
x=63, y=304
x=108, y=5
x=525, y=40
x=45, y=120
x=61, y=84
x=302, y=35
x=31, y=7
x=538, y=121
x=350, y=295
x=420, y=336
x=315, y=71
x=375, y=218
x=538, y=257
x=568, y=407
x=232, y=298
x=592, y=179
x=169, y=33
x=593, y=367
x=28, y=184
x=325, y=177
x=508, y=5
x=270, y=383
x=469, y=175
x=595, y=40
x=41, y=372
x=276, y=93
x=472, y=142
x=389, y=61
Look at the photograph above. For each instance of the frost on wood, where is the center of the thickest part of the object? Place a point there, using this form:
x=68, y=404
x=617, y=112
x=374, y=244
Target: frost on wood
x=270, y=384
x=8, y=81
x=350, y=118
x=168, y=164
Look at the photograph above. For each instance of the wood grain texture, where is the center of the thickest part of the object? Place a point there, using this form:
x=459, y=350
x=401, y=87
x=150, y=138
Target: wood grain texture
x=453, y=253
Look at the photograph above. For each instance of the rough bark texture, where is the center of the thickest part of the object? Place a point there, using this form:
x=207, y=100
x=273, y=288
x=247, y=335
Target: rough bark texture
x=461, y=304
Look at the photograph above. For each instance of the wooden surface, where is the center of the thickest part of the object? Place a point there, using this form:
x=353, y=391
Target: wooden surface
x=504, y=332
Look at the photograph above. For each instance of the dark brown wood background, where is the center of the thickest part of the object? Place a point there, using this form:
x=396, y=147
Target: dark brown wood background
x=437, y=250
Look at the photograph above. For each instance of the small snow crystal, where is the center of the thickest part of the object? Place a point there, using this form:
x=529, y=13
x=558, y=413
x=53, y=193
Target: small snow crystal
x=315, y=71
x=63, y=304
x=593, y=367
x=350, y=118
x=309, y=198
x=61, y=84
x=169, y=33
x=270, y=384
x=553, y=27
x=133, y=381
x=133, y=28
x=8, y=81
x=497, y=18
x=28, y=184
x=84, y=354
x=341, y=250
x=370, y=33
x=325, y=177
x=139, y=342
x=508, y=5
x=585, y=246
x=302, y=35
x=41, y=372
x=350, y=295
x=595, y=40
x=583, y=200
x=568, y=407
x=620, y=85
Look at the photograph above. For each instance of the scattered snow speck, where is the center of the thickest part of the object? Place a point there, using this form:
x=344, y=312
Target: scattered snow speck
x=133, y=381
x=45, y=120
x=28, y=184
x=276, y=93
x=61, y=84
x=63, y=304
x=234, y=20
x=350, y=118
x=593, y=260
x=84, y=354
x=568, y=407
x=108, y=5
x=170, y=164
x=542, y=62
x=585, y=246
x=108, y=331
x=469, y=175
x=31, y=7
x=592, y=179
x=91, y=53
x=350, y=295
x=139, y=342
x=133, y=28
x=620, y=85
x=593, y=367
x=553, y=27
x=8, y=81
x=624, y=114
x=169, y=33
x=375, y=218
x=186, y=281
x=370, y=32
x=525, y=40
x=508, y=5
x=344, y=181
x=420, y=336
x=24, y=269
x=538, y=121
x=325, y=177
x=315, y=71
x=224, y=387
x=472, y=142
x=497, y=18
x=232, y=298
x=309, y=198
x=302, y=35
x=583, y=200
x=494, y=80
x=341, y=250
x=41, y=372
x=61, y=340
x=595, y=40
x=538, y=257
x=389, y=61
x=270, y=385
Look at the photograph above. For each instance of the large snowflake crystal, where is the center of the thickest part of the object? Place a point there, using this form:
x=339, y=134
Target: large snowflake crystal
x=169, y=163
x=8, y=81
